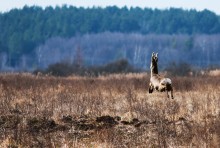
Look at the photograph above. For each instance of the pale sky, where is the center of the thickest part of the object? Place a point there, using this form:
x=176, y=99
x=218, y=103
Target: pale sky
x=213, y=5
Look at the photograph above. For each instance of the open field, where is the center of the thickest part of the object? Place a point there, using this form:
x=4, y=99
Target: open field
x=111, y=111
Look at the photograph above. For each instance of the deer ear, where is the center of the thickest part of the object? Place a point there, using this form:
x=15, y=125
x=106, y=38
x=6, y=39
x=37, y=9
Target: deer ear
x=156, y=54
x=153, y=54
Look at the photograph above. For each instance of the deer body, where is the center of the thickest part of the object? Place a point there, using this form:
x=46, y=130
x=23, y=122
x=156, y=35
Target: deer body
x=158, y=82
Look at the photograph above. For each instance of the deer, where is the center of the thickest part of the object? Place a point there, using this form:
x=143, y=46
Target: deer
x=158, y=82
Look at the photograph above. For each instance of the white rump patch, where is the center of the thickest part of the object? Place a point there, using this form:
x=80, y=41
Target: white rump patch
x=165, y=81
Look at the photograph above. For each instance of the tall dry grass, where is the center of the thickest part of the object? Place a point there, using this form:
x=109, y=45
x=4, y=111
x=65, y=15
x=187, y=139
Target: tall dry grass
x=45, y=111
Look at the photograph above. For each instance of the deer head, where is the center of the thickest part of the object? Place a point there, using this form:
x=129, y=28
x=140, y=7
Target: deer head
x=154, y=57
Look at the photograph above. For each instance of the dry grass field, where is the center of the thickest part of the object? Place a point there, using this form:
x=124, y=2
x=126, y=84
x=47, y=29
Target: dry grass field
x=108, y=111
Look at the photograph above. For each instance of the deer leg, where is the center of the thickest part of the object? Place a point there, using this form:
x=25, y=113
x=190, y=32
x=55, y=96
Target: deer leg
x=151, y=88
x=167, y=94
x=171, y=91
x=172, y=95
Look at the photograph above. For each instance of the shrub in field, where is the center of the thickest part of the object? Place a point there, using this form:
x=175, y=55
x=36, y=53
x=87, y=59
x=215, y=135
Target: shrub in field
x=181, y=69
x=66, y=69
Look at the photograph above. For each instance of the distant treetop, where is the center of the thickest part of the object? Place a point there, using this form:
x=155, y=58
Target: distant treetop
x=24, y=29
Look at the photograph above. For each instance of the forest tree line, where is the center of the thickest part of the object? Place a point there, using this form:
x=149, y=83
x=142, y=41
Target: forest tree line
x=24, y=30
x=200, y=51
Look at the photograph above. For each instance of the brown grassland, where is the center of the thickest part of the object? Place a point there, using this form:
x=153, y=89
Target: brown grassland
x=108, y=111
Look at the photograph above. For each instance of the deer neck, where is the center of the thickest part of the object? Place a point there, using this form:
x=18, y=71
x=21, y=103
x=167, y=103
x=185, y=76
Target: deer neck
x=154, y=69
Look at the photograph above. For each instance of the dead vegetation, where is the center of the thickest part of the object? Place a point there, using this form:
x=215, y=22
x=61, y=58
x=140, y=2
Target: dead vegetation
x=108, y=111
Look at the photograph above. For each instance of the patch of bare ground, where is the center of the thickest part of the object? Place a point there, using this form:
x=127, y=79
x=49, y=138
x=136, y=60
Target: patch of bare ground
x=108, y=111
